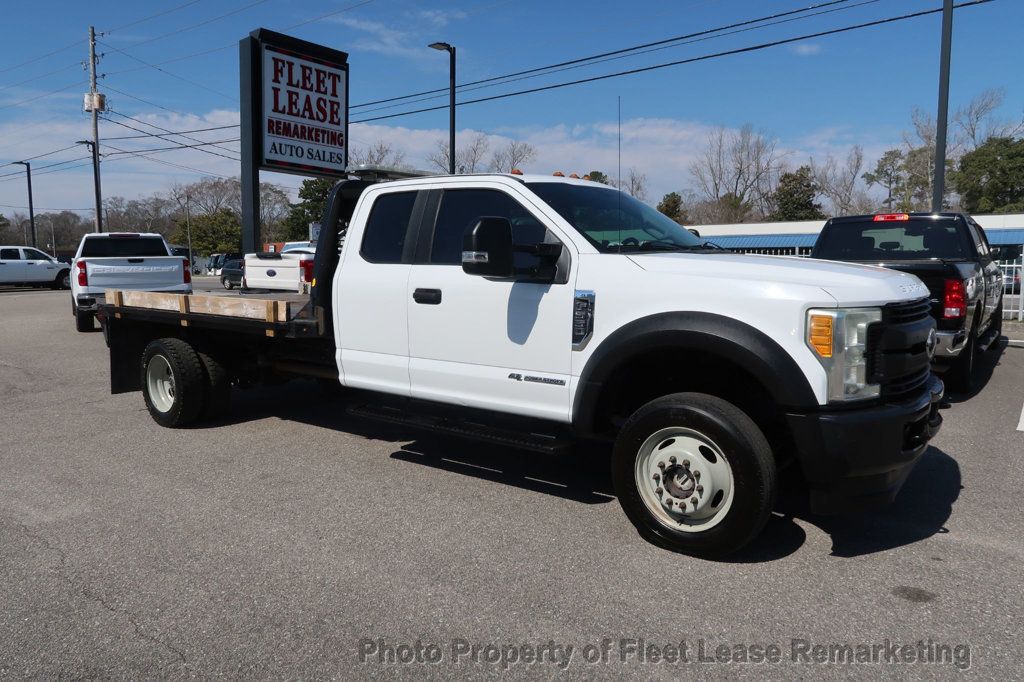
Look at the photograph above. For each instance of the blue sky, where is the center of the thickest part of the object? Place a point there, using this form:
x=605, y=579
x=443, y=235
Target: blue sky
x=816, y=97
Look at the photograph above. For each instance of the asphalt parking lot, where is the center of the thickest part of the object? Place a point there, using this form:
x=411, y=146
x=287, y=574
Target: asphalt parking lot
x=292, y=541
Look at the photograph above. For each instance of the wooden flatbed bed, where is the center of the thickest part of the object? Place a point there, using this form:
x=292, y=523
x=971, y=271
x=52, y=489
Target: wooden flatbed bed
x=273, y=313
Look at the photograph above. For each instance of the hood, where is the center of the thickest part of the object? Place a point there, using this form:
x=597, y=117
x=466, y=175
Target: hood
x=847, y=283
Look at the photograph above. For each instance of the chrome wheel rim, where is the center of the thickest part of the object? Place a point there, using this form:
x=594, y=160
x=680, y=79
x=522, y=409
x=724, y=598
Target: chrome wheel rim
x=160, y=383
x=684, y=480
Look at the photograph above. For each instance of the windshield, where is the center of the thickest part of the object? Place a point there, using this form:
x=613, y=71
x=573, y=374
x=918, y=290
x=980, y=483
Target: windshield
x=615, y=222
x=913, y=239
x=123, y=247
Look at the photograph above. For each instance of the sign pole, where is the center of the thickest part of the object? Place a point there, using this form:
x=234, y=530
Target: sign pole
x=250, y=63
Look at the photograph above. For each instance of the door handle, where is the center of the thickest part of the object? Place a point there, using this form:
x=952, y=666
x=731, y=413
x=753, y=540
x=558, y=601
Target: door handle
x=427, y=296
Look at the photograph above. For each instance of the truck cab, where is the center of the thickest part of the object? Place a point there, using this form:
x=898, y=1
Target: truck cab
x=545, y=311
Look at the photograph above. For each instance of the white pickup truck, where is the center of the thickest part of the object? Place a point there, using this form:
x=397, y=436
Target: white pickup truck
x=29, y=266
x=122, y=260
x=540, y=312
x=290, y=270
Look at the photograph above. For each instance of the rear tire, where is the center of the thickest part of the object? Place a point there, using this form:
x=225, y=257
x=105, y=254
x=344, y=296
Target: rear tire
x=694, y=474
x=217, y=398
x=84, y=321
x=173, y=382
x=226, y=283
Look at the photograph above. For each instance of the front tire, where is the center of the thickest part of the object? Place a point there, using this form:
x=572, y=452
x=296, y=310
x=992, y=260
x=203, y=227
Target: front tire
x=226, y=283
x=694, y=474
x=63, y=280
x=173, y=382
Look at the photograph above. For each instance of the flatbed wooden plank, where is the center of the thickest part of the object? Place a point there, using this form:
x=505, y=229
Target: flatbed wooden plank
x=246, y=307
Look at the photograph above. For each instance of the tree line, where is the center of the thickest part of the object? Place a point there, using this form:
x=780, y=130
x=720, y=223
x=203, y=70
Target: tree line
x=739, y=176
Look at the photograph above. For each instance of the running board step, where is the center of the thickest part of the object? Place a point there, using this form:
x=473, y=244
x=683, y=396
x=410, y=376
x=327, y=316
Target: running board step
x=989, y=338
x=537, y=442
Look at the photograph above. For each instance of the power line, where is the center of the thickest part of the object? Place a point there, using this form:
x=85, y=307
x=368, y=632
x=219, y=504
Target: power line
x=165, y=130
x=47, y=94
x=175, y=148
x=46, y=208
x=198, y=25
x=489, y=84
x=181, y=133
x=580, y=60
x=172, y=75
x=644, y=69
x=39, y=156
x=77, y=43
x=235, y=45
x=152, y=16
x=40, y=168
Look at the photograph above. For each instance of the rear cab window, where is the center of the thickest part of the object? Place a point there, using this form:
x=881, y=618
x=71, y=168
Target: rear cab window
x=387, y=227
x=123, y=247
x=915, y=238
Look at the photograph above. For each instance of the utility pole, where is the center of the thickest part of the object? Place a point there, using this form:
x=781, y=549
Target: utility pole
x=95, y=106
x=939, y=183
x=31, y=210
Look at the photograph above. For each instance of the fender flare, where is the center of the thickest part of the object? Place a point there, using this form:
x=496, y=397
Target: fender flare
x=733, y=341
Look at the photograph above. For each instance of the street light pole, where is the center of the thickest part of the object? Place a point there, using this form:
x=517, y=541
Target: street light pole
x=450, y=49
x=31, y=210
x=939, y=182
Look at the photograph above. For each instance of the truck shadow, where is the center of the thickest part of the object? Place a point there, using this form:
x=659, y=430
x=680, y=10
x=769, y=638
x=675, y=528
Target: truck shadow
x=984, y=367
x=583, y=476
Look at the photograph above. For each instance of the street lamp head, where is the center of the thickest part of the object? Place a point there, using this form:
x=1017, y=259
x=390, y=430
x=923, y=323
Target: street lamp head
x=88, y=142
x=23, y=163
x=444, y=47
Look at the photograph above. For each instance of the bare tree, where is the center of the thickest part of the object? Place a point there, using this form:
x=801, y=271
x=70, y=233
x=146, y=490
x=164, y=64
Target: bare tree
x=838, y=180
x=380, y=153
x=468, y=159
x=634, y=184
x=738, y=168
x=975, y=122
x=512, y=156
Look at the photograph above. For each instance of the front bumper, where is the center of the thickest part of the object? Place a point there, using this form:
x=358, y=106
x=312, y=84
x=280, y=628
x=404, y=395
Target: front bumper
x=858, y=458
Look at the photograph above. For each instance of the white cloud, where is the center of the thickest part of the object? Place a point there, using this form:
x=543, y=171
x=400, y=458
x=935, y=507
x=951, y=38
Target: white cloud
x=662, y=148
x=381, y=38
x=805, y=49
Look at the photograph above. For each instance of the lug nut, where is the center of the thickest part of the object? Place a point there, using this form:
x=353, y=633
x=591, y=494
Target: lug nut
x=669, y=502
x=700, y=489
x=693, y=500
x=657, y=477
x=659, y=490
x=672, y=459
x=696, y=474
x=686, y=463
x=661, y=465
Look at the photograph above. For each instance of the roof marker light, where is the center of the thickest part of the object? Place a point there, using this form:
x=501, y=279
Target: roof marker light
x=887, y=217
x=516, y=171
x=558, y=174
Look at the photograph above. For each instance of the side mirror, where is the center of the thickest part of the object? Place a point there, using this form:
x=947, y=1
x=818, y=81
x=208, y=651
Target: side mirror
x=487, y=248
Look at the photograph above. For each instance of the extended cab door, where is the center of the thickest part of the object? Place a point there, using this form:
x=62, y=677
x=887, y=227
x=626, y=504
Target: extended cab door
x=371, y=315
x=12, y=266
x=500, y=345
x=38, y=266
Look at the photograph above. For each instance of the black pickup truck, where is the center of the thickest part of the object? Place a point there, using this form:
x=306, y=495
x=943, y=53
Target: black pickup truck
x=950, y=253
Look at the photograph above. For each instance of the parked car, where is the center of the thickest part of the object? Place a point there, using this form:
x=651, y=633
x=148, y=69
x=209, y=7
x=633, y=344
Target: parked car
x=950, y=253
x=1011, y=282
x=529, y=311
x=123, y=260
x=24, y=265
x=231, y=274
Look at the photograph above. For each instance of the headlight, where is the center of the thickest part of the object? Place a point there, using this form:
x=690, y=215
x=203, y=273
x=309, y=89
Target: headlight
x=838, y=338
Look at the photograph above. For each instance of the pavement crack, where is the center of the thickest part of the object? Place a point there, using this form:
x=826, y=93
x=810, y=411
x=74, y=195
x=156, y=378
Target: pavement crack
x=95, y=598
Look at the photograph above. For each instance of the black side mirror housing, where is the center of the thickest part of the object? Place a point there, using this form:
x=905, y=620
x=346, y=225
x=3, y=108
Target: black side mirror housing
x=487, y=249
